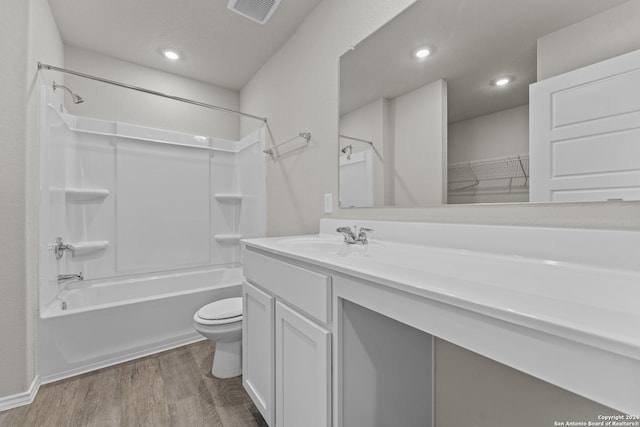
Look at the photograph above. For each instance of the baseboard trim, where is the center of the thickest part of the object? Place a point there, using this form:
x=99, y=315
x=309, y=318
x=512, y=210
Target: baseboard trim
x=177, y=342
x=21, y=399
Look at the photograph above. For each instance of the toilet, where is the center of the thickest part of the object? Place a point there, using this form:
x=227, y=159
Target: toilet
x=221, y=322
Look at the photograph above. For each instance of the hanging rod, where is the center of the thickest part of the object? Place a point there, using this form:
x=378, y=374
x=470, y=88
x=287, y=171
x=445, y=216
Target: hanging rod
x=356, y=139
x=305, y=135
x=149, y=91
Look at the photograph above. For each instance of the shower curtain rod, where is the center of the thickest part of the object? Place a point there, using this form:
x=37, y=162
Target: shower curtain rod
x=355, y=139
x=149, y=91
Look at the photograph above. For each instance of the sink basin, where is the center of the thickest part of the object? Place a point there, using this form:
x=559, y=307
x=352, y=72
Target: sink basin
x=327, y=245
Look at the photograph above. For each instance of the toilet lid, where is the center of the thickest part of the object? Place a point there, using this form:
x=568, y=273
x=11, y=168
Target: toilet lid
x=223, y=309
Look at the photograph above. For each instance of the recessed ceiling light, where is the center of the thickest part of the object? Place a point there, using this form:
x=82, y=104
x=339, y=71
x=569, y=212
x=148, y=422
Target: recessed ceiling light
x=502, y=81
x=422, y=52
x=170, y=54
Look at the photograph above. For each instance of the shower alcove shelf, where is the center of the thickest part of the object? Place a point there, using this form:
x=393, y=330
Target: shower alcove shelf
x=86, y=248
x=234, y=200
x=228, y=239
x=228, y=197
x=86, y=194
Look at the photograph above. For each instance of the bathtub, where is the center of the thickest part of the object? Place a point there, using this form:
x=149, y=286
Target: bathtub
x=94, y=325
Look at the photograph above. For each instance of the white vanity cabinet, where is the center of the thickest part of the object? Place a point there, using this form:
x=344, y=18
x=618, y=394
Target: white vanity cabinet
x=258, y=351
x=303, y=369
x=360, y=324
x=287, y=341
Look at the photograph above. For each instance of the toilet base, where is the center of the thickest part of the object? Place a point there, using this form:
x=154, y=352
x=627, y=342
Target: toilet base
x=227, y=359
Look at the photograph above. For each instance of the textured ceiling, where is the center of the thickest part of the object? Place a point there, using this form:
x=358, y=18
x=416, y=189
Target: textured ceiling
x=218, y=45
x=475, y=42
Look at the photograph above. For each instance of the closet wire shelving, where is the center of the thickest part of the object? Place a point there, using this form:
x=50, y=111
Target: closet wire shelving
x=499, y=174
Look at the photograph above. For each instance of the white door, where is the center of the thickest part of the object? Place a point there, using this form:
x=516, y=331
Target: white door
x=585, y=133
x=257, y=349
x=302, y=371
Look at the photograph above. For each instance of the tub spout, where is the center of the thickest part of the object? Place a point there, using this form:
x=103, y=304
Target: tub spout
x=65, y=277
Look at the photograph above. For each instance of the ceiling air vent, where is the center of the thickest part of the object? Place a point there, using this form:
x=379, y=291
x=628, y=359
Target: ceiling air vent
x=256, y=10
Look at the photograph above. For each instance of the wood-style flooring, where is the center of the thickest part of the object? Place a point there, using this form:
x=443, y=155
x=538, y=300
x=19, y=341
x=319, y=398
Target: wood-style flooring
x=173, y=388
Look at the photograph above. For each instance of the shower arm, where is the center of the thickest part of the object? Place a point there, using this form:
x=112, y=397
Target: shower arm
x=42, y=66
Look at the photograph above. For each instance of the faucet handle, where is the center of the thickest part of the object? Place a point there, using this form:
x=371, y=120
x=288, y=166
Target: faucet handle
x=362, y=235
x=59, y=248
x=348, y=233
x=364, y=231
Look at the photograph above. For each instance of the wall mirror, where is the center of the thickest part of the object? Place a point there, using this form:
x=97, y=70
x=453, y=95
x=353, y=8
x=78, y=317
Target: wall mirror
x=434, y=106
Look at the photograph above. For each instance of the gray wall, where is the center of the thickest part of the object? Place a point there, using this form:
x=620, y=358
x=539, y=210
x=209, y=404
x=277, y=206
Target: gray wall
x=595, y=39
x=419, y=122
x=28, y=34
x=471, y=390
x=109, y=102
x=17, y=357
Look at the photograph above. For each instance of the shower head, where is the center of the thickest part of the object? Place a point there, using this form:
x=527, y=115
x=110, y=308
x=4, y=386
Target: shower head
x=344, y=151
x=77, y=99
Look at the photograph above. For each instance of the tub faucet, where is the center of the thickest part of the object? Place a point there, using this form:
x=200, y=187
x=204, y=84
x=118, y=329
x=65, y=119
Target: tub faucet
x=59, y=247
x=65, y=277
x=350, y=235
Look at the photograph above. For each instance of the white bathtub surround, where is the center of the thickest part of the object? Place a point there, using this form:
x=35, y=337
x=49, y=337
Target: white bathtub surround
x=558, y=304
x=138, y=206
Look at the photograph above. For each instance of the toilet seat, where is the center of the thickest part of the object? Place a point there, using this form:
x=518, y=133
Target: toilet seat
x=221, y=312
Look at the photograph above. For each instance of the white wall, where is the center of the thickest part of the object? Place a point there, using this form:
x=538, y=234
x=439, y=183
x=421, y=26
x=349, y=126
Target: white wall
x=28, y=34
x=110, y=102
x=419, y=120
x=594, y=39
x=499, y=134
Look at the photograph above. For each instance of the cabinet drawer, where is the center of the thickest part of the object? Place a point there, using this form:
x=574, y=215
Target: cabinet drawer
x=307, y=290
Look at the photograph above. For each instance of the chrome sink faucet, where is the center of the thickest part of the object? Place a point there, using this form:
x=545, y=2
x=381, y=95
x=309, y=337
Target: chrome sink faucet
x=353, y=236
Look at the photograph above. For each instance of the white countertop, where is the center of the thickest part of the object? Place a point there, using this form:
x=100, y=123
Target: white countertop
x=592, y=304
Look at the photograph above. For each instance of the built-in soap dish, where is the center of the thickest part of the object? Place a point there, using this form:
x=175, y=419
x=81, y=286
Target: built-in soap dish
x=228, y=197
x=228, y=239
x=87, y=248
x=86, y=194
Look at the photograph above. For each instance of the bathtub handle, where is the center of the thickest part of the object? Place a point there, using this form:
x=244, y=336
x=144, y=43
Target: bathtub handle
x=59, y=247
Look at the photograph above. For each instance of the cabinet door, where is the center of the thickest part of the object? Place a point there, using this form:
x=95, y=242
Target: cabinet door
x=257, y=349
x=302, y=371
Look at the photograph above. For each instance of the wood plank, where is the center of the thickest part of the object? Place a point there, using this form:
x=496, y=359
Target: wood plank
x=173, y=388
